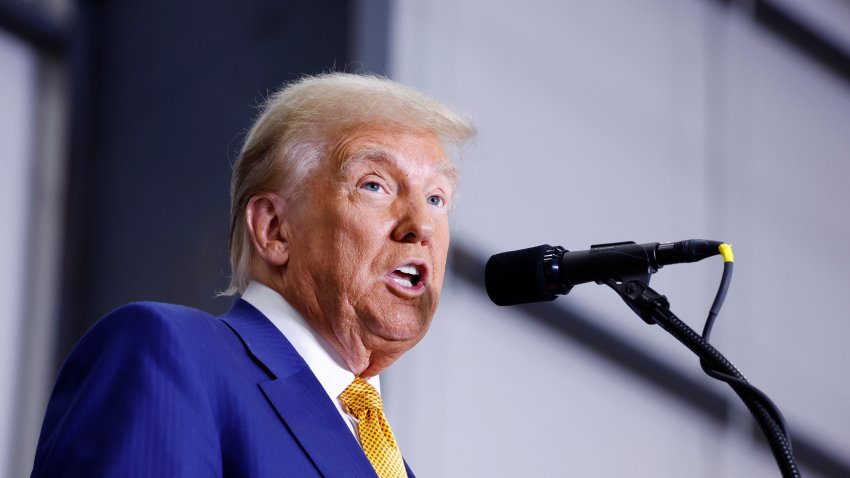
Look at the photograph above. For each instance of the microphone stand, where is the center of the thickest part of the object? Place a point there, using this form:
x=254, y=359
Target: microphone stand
x=654, y=308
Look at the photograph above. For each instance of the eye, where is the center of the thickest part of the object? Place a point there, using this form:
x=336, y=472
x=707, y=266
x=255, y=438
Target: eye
x=437, y=201
x=372, y=186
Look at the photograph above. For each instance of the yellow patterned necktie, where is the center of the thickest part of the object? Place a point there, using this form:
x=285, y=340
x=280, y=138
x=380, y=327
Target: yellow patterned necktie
x=361, y=400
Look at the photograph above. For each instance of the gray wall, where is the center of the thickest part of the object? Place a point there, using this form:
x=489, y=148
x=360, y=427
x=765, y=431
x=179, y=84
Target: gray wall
x=646, y=121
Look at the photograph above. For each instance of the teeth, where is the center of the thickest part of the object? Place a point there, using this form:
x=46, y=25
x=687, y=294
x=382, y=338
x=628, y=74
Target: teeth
x=409, y=269
x=404, y=282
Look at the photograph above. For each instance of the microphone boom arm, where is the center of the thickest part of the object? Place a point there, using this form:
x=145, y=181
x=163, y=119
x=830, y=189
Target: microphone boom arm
x=654, y=308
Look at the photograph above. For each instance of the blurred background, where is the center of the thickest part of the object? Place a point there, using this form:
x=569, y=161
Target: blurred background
x=604, y=121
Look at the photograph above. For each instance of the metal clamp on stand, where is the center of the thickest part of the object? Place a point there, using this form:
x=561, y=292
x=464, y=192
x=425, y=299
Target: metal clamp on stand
x=641, y=298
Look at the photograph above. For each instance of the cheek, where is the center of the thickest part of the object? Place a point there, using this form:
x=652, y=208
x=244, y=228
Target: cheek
x=358, y=243
x=368, y=229
x=440, y=244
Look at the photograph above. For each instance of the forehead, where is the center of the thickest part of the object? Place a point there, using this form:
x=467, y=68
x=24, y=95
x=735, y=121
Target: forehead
x=408, y=149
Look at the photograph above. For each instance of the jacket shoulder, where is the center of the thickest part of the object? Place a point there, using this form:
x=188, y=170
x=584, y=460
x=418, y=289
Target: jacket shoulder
x=153, y=320
x=131, y=389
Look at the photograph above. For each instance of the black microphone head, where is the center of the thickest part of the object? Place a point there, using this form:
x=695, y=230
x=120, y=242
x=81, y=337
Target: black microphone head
x=517, y=277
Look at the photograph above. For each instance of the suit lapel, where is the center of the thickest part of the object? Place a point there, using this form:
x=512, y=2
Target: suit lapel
x=298, y=397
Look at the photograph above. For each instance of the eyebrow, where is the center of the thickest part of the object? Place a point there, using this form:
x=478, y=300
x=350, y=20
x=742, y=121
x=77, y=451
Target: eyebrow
x=371, y=153
x=383, y=153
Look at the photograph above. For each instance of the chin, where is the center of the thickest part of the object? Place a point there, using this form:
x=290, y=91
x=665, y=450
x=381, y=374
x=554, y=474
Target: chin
x=403, y=328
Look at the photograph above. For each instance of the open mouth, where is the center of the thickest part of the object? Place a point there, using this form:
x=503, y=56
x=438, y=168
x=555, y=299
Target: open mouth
x=408, y=275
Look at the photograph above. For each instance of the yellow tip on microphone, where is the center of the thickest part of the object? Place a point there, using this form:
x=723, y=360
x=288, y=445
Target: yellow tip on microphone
x=726, y=252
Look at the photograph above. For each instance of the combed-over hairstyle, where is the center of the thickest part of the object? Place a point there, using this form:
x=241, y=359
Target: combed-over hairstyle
x=299, y=125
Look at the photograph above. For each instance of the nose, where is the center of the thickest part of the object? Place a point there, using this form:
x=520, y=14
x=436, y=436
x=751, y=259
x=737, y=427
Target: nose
x=415, y=222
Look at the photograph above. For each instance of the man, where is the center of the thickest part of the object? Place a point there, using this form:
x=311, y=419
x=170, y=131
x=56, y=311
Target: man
x=339, y=236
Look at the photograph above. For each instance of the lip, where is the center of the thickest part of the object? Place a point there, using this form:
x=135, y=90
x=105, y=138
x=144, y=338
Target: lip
x=409, y=292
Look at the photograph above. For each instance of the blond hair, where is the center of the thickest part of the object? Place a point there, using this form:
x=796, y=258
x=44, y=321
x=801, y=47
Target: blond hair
x=299, y=124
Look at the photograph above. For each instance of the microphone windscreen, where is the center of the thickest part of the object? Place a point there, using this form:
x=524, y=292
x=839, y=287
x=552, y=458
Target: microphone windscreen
x=517, y=277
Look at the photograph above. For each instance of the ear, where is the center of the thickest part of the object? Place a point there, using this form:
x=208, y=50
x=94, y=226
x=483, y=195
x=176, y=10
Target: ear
x=264, y=218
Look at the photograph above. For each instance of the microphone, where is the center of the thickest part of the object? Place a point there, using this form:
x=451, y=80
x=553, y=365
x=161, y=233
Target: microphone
x=542, y=273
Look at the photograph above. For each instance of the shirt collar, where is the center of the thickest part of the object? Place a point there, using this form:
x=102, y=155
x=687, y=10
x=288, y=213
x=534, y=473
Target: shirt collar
x=324, y=360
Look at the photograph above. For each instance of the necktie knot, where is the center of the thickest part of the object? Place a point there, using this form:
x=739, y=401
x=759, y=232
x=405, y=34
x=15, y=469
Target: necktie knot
x=360, y=397
x=362, y=401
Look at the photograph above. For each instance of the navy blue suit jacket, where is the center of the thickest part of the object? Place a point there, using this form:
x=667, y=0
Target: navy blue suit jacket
x=158, y=390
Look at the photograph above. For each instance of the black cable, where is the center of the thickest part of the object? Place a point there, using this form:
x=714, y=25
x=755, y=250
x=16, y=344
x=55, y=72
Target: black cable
x=740, y=386
x=718, y=299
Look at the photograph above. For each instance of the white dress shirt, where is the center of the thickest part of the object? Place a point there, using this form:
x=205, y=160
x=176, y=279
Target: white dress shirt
x=325, y=362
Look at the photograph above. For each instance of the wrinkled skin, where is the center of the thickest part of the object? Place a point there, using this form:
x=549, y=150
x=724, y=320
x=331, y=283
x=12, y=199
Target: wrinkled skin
x=379, y=201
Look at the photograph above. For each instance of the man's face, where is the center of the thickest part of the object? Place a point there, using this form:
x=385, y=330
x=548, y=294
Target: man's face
x=368, y=236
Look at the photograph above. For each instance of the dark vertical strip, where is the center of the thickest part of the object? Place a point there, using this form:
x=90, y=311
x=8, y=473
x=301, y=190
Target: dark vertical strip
x=78, y=223
x=369, y=36
x=163, y=92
